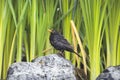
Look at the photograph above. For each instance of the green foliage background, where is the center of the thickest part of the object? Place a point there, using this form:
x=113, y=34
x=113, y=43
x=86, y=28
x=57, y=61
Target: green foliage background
x=24, y=25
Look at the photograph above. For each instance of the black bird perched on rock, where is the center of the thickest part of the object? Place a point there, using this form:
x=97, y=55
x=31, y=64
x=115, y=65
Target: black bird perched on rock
x=60, y=43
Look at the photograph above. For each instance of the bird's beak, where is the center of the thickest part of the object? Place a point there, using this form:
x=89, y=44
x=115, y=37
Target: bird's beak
x=49, y=30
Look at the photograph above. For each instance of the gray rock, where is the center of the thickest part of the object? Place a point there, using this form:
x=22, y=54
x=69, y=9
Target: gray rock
x=111, y=73
x=51, y=67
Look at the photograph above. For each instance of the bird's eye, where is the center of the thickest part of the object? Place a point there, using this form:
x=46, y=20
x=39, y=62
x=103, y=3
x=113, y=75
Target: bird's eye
x=53, y=31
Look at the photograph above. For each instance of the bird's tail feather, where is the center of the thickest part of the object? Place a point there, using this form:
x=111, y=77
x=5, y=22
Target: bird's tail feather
x=77, y=54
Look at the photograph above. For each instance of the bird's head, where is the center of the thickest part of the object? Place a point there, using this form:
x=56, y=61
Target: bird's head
x=52, y=31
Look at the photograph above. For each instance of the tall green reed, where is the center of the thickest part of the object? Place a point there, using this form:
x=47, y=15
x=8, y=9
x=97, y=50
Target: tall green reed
x=3, y=27
x=93, y=14
x=112, y=33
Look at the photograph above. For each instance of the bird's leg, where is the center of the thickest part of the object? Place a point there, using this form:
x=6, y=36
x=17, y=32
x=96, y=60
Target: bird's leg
x=61, y=53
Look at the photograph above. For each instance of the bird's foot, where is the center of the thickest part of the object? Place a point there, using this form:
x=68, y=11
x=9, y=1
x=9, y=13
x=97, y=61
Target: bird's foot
x=61, y=54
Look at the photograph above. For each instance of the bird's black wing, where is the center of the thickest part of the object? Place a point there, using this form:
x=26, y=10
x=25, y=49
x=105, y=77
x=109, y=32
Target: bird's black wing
x=61, y=39
x=63, y=43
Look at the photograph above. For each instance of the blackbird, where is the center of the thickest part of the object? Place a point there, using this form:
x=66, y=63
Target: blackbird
x=60, y=43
